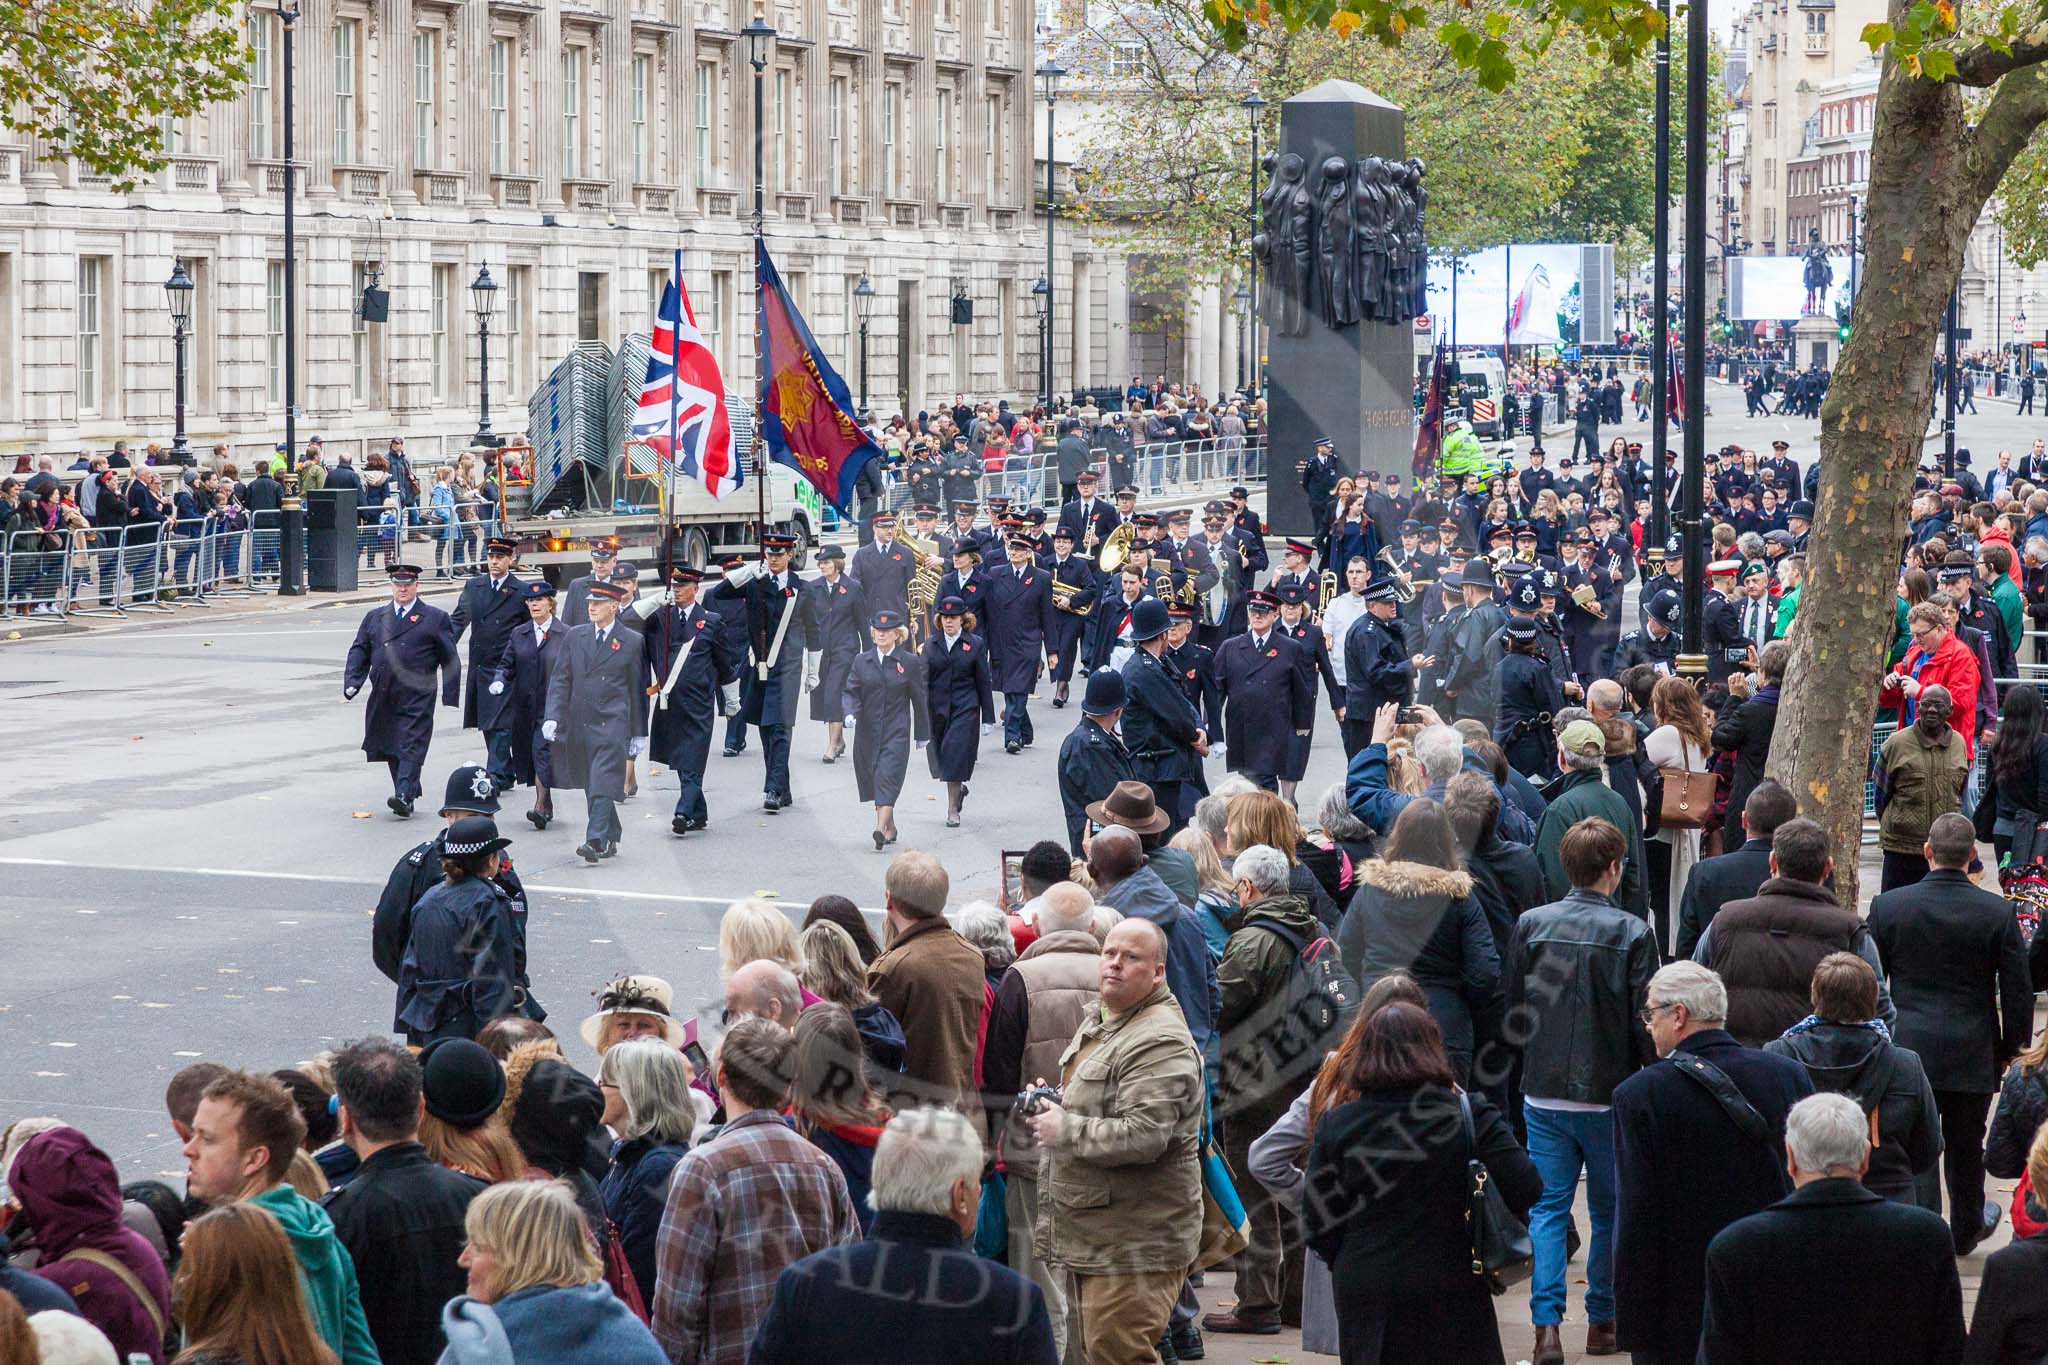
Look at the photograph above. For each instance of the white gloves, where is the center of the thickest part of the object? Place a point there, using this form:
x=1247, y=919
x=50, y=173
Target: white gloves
x=729, y=697
x=849, y=722
x=743, y=574
x=650, y=603
x=812, y=659
x=636, y=746
x=497, y=689
x=547, y=731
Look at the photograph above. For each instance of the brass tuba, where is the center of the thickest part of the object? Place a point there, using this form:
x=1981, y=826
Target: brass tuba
x=1116, y=549
x=924, y=583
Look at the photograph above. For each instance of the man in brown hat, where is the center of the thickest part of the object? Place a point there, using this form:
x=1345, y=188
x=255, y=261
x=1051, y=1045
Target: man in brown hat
x=1125, y=882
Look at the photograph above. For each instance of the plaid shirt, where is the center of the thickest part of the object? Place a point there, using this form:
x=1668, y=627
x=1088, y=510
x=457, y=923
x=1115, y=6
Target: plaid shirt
x=742, y=1208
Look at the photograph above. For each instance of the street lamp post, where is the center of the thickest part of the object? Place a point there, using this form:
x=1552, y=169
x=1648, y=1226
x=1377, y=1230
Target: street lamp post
x=1692, y=659
x=484, y=294
x=178, y=294
x=288, y=18
x=863, y=300
x=1049, y=77
x=1254, y=106
x=1242, y=298
x=760, y=40
x=1660, y=302
x=1041, y=300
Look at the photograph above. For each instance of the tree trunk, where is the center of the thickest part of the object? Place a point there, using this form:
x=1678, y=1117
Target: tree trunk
x=1930, y=176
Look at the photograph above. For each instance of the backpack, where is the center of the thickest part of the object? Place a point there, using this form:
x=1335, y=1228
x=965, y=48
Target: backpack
x=1315, y=1008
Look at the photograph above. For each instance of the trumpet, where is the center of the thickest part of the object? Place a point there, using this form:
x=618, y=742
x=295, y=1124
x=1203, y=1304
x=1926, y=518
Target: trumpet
x=1116, y=549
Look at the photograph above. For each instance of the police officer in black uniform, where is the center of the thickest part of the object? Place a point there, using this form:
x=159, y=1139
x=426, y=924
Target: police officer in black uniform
x=961, y=471
x=470, y=791
x=1071, y=611
x=1093, y=758
x=397, y=650
x=1268, y=691
x=694, y=676
x=494, y=603
x=1194, y=668
x=1319, y=480
x=1656, y=643
x=1161, y=727
x=767, y=593
x=1378, y=668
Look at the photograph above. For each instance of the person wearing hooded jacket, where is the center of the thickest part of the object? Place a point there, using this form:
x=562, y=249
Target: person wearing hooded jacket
x=1415, y=912
x=1844, y=1052
x=72, y=1198
x=1116, y=860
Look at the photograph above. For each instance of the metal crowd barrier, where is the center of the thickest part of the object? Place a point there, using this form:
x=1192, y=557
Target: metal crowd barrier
x=35, y=579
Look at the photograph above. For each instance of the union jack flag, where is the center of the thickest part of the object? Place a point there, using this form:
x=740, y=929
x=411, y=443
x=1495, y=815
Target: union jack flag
x=682, y=415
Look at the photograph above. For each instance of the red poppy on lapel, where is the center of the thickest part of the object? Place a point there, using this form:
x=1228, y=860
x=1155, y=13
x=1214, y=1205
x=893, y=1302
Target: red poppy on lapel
x=615, y=644
x=966, y=648
x=899, y=668
x=1272, y=653
x=414, y=617
x=1191, y=673
x=700, y=625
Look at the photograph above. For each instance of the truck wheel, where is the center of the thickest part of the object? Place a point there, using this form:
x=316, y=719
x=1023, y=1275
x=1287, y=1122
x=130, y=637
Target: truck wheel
x=696, y=548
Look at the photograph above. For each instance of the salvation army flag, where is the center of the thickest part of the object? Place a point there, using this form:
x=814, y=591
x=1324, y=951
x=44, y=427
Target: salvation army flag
x=806, y=409
x=681, y=415
x=1429, y=434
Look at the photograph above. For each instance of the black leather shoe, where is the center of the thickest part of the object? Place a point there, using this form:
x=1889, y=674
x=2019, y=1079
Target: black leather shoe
x=1013, y=747
x=679, y=825
x=731, y=752
x=610, y=849
x=770, y=804
x=589, y=851
x=1187, y=1342
x=538, y=820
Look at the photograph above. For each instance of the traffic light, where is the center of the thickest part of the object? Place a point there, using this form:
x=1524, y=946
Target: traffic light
x=1842, y=333
x=1727, y=328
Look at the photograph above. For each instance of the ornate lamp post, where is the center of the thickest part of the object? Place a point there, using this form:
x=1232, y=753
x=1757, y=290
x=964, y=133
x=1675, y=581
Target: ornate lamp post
x=483, y=294
x=1253, y=107
x=178, y=294
x=863, y=301
x=1243, y=299
x=1041, y=301
x=1049, y=77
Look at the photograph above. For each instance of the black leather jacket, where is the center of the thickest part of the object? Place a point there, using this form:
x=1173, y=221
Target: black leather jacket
x=1582, y=966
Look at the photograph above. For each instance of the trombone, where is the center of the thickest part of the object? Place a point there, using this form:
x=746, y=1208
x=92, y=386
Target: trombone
x=1332, y=585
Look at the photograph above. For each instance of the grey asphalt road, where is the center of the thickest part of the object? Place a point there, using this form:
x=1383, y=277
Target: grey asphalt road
x=194, y=843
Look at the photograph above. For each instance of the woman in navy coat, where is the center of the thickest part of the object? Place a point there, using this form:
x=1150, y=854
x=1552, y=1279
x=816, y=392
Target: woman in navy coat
x=956, y=668
x=463, y=961
x=1529, y=696
x=835, y=610
x=884, y=704
x=517, y=698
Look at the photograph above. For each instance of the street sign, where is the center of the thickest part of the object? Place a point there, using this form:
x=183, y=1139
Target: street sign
x=1962, y=334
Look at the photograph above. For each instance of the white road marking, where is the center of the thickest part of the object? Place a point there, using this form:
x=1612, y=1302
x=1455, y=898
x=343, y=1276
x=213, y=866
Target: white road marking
x=584, y=891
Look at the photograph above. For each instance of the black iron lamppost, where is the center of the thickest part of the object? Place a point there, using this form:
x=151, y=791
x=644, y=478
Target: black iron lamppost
x=178, y=294
x=1049, y=77
x=1041, y=300
x=484, y=296
x=863, y=300
x=1254, y=106
x=759, y=35
x=1242, y=298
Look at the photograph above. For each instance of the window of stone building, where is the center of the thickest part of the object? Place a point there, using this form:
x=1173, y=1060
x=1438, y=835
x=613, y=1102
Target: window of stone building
x=949, y=14
x=508, y=329
x=8, y=383
x=991, y=148
x=358, y=336
x=262, y=92
x=273, y=331
x=892, y=112
x=781, y=154
x=711, y=321
x=706, y=148
x=1126, y=61
x=92, y=282
x=426, y=97
x=942, y=147
x=643, y=108
x=835, y=133
x=347, y=34
x=441, y=324
x=574, y=61
x=589, y=306
x=501, y=105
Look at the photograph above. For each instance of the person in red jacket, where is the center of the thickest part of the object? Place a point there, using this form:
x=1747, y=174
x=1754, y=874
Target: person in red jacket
x=1935, y=656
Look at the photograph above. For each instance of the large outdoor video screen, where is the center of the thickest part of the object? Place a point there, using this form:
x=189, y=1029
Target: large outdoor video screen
x=1773, y=288
x=1547, y=294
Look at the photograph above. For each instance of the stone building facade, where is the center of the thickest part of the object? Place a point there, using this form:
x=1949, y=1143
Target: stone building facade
x=571, y=146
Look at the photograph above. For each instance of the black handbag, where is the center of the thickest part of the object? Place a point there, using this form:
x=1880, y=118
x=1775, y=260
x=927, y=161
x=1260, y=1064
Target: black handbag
x=1501, y=1251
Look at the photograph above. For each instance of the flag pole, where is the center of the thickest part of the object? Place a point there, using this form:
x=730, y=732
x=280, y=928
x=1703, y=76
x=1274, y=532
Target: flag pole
x=760, y=39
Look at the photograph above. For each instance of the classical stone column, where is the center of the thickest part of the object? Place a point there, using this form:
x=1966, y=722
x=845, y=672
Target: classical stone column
x=1081, y=323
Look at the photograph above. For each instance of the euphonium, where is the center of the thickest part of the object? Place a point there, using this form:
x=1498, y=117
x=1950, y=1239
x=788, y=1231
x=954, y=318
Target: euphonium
x=924, y=583
x=1116, y=549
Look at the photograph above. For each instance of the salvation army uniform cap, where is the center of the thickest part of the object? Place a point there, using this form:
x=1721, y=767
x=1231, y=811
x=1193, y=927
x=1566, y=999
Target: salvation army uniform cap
x=831, y=552
x=1179, y=516
x=404, y=573
x=1035, y=517
x=1023, y=543
x=778, y=542
x=1146, y=520
x=1259, y=599
x=889, y=619
x=603, y=591
x=1293, y=594
x=1127, y=491
x=471, y=789
x=883, y=519
x=1410, y=526
x=539, y=587
x=964, y=505
x=682, y=575
x=499, y=545
x=1065, y=533
x=1781, y=445
x=1238, y=490
x=1300, y=547
x=952, y=605
x=1180, y=613
x=604, y=549
x=1087, y=476
x=625, y=571
x=925, y=509
x=968, y=548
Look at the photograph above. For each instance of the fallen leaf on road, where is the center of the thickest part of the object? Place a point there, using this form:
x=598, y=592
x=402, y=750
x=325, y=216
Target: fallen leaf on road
x=359, y=815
